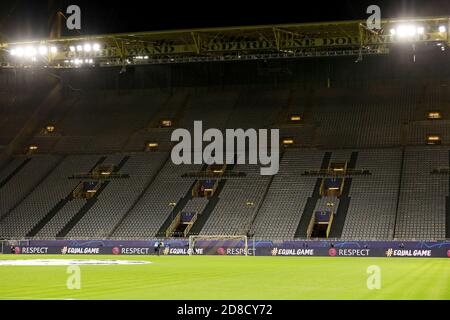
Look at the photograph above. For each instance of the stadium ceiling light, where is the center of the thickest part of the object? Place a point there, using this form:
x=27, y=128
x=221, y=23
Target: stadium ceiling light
x=87, y=47
x=13, y=52
x=72, y=48
x=392, y=31
x=53, y=49
x=96, y=47
x=30, y=51
x=19, y=52
x=43, y=50
x=420, y=30
x=442, y=28
x=79, y=47
x=406, y=31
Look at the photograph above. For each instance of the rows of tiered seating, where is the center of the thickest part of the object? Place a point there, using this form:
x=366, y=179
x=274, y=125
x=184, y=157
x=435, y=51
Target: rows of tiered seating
x=283, y=205
x=157, y=202
x=355, y=119
x=57, y=223
x=45, y=196
x=421, y=213
x=384, y=123
x=373, y=198
x=120, y=194
x=238, y=202
x=20, y=184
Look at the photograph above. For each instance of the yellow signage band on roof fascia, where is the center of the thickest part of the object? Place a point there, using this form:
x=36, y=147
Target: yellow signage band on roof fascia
x=328, y=36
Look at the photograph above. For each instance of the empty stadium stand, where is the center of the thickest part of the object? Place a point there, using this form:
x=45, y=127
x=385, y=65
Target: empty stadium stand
x=393, y=184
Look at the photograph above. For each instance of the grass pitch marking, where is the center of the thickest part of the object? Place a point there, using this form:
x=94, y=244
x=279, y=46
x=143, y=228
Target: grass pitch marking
x=68, y=262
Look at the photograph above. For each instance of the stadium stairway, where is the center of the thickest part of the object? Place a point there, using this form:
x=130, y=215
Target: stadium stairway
x=35, y=230
x=311, y=202
x=42, y=179
x=447, y=208
x=121, y=164
x=14, y=172
x=266, y=191
x=178, y=207
x=344, y=202
x=141, y=195
x=99, y=162
x=203, y=217
x=89, y=203
x=80, y=214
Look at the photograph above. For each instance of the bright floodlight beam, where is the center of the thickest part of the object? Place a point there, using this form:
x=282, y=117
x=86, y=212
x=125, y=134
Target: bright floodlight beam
x=442, y=29
x=406, y=31
x=30, y=51
x=19, y=52
x=43, y=50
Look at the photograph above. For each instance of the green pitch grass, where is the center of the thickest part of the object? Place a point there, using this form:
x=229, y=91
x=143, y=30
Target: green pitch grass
x=230, y=277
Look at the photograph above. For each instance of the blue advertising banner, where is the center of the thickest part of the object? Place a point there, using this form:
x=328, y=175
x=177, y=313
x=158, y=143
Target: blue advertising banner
x=255, y=248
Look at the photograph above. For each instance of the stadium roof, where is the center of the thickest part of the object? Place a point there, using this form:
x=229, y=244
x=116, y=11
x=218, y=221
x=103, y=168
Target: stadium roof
x=229, y=43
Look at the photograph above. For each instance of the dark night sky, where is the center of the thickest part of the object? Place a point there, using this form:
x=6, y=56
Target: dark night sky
x=25, y=19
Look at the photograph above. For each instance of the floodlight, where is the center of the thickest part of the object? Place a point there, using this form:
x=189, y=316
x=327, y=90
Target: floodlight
x=87, y=47
x=392, y=31
x=12, y=52
x=406, y=31
x=72, y=48
x=43, y=50
x=79, y=47
x=30, y=51
x=96, y=47
x=442, y=28
x=420, y=30
x=19, y=52
x=53, y=49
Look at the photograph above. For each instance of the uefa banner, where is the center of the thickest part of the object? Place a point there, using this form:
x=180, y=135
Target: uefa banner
x=236, y=248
